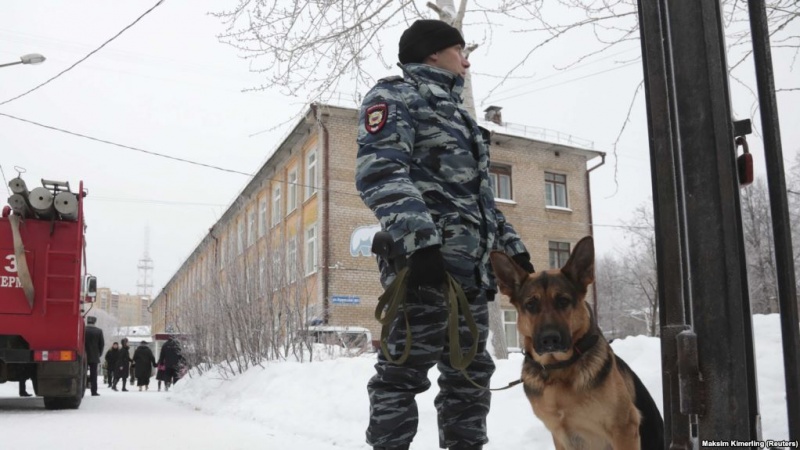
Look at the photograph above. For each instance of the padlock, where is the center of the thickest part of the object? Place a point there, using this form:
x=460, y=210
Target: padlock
x=744, y=163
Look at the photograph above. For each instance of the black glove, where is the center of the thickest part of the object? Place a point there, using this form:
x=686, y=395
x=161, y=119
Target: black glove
x=426, y=267
x=524, y=260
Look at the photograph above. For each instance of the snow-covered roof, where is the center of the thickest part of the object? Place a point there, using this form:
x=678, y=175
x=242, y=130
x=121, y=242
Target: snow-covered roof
x=540, y=134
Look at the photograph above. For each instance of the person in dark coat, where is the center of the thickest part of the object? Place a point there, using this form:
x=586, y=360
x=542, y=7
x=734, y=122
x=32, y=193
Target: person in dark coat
x=171, y=358
x=122, y=365
x=111, y=362
x=94, y=344
x=143, y=361
x=161, y=375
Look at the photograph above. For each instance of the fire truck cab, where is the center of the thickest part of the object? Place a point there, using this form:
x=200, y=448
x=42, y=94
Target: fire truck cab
x=43, y=290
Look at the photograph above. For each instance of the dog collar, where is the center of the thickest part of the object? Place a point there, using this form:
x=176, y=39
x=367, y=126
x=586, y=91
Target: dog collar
x=582, y=346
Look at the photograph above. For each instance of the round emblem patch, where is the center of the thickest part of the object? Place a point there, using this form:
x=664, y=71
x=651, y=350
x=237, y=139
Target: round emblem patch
x=375, y=117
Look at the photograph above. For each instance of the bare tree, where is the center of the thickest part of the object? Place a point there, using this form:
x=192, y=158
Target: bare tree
x=309, y=46
x=639, y=263
x=616, y=298
x=248, y=307
x=759, y=248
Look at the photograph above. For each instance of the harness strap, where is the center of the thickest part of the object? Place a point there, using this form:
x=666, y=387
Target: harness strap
x=394, y=298
x=22, y=263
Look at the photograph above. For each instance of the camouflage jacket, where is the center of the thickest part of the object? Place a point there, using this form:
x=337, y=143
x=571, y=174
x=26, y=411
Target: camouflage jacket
x=423, y=169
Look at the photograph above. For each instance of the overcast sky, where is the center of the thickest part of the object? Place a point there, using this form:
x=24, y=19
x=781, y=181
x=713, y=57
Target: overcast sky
x=167, y=85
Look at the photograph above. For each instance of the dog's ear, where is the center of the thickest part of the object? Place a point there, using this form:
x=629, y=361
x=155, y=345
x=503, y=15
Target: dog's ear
x=509, y=275
x=580, y=266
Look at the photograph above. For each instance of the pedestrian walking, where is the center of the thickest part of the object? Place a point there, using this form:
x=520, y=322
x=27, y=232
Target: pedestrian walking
x=423, y=169
x=110, y=362
x=171, y=357
x=122, y=365
x=143, y=363
x=93, y=343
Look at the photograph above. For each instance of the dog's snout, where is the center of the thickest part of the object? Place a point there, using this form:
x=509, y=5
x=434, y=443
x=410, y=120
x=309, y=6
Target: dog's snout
x=551, y=340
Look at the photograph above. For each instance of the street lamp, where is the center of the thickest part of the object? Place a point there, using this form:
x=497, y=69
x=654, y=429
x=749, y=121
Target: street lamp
x=32, y=58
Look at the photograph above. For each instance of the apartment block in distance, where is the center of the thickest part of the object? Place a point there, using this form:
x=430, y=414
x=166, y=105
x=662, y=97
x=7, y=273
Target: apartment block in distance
x=130, y=310
x=300, y=225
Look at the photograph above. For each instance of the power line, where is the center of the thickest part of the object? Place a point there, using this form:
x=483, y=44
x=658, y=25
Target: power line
x=174, y=158
x=563, y=82
x=332, y=191
x=561, y=72
x=87, y=56
x=8, y=188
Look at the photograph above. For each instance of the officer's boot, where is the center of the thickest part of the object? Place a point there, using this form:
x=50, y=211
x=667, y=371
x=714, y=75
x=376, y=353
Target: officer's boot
x=400, y=447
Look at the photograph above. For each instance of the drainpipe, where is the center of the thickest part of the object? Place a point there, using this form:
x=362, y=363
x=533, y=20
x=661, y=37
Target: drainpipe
x=591, y=224
x=325, y=235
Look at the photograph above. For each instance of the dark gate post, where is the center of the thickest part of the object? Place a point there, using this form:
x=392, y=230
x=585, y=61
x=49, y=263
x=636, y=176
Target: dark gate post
x=699, y=226
x=781, y=222
x=667, y=212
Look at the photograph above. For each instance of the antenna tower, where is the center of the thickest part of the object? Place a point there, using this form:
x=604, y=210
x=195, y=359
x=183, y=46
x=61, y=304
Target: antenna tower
x=144, y=286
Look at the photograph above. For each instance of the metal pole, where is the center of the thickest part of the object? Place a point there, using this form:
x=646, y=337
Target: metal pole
x=717, y=271
x=667, y=210
x=781, y=228
x=10, y=64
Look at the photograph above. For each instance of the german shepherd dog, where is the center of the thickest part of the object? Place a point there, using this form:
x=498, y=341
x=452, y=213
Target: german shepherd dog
x=586, y=396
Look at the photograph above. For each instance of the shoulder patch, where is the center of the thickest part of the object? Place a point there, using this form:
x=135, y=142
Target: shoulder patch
x=375, y=117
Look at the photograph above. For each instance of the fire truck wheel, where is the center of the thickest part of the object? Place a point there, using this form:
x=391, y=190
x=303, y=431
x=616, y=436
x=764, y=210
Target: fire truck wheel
x=67, y=402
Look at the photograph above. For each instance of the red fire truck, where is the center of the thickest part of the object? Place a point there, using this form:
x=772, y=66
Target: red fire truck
x=43, y=289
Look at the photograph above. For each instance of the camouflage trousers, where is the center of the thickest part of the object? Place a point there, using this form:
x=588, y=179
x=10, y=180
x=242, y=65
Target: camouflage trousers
x=462, y=408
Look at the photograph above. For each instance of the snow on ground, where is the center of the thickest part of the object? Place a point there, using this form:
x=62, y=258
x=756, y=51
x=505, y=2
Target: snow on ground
x=327, y=400
x=321, y=405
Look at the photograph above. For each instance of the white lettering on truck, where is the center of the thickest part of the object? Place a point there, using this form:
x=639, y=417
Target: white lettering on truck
x=12, y=267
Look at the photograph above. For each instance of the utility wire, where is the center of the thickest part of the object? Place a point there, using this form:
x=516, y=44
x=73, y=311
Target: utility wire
x=318, y=188
x=561, y=83
x=8, y=188
x=87, y=56
x=174, y=158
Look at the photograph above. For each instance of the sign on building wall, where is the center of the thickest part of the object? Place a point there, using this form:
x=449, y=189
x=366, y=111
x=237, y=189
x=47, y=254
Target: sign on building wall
x=346, y=299
x=361, y=240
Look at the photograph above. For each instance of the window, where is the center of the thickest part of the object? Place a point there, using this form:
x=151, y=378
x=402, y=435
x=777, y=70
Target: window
x=501, y=181
x=311, y=174
x=291, y=196
x=262, y=269
x=291, y=260
x=222, y=252
x=559, y=254
x=275, y=279
x=251, y=226
x=311, y=249
x=510, y=328
x=240, y=241
x=276, y=205
x=262, y=216
x=555, y=186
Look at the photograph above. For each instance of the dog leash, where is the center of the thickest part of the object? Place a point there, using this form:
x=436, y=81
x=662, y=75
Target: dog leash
x=394, y=298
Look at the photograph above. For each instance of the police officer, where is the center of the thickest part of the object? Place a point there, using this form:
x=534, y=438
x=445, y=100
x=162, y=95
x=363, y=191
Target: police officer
x=423, y=169
x=94, y=344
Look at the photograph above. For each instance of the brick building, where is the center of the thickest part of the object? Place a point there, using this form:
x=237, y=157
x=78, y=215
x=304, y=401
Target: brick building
x=301, y=212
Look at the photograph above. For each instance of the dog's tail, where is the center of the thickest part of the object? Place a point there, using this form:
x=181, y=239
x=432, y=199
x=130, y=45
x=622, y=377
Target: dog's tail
x=651, y=429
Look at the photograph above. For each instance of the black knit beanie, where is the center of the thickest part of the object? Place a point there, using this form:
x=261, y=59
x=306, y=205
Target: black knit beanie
x=426, y=37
